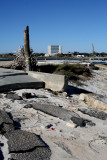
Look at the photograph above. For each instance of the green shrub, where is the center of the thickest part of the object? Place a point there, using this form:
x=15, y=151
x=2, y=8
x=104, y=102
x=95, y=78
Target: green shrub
x=66, y=69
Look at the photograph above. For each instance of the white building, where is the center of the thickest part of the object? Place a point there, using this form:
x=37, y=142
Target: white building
x=54, y=49
x=80, y=56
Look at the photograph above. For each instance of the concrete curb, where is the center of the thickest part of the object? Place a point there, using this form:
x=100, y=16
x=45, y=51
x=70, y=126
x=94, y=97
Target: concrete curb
x=52, y=81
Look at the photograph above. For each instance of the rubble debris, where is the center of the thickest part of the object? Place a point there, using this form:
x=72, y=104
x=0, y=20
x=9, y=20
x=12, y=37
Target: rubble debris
x=14, y=96
x=4, y=118
x=82, y=122
x=79, y=121
x=6, y=124
x=24, y=138
x=41, y=96
x=22, y=144
x=26, y=95
x=49, y=126
x=29, y=146
x=61, y=113
x=64, y=94
x=28, y=106
x=94, y=113
x=72, y=125
x=93, y=102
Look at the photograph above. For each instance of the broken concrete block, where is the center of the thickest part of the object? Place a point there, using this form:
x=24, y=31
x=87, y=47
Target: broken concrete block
x=26, y=95
x=28, y=106
x=94, y=113
x=4, y=118
x=49, y=126
x=78, y=121
x=93, y=102
x=81, y=97
x=27, y=146
x=6, y=123
x=52, y=81
x=64, y=94
x=72, y=125
x=26, y=141
x=61, y=113
x=13, y=96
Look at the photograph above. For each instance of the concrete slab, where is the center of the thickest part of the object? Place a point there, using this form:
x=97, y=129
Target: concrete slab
x=54, y=82
x=15, y=79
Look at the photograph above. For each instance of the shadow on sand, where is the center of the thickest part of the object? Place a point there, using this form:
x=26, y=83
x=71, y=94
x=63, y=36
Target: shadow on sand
x=1, y=155
x=75, y=90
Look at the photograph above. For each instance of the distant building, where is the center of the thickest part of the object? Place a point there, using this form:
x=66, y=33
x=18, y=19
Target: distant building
x=54, y=49
x=80, y=56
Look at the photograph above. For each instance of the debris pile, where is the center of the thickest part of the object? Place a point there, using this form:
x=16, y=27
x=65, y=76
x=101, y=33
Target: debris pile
x=22, y=144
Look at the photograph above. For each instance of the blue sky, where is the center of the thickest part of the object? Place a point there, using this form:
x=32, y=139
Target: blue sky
x=74, y=24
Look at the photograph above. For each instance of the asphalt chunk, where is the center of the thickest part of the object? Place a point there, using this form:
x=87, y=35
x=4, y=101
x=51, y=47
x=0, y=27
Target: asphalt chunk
x=25, y=145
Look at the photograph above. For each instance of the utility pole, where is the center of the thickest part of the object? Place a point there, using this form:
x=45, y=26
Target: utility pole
x=92, y=50
x=27, y=49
